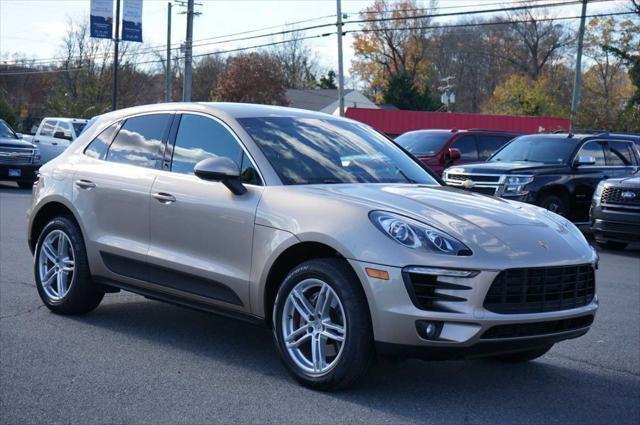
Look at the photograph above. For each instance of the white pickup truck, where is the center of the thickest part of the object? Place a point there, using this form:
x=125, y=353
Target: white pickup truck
x=55, y=134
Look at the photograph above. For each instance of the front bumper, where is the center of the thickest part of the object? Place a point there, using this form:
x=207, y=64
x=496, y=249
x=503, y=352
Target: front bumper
x=463, y=331
x=26, y=172
x=615, y=224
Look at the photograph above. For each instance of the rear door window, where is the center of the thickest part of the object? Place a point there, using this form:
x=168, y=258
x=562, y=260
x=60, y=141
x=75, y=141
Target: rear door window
x=487, y=145
x=594, y=149
x=618, y=154
x=467, y=147
x=139, y=141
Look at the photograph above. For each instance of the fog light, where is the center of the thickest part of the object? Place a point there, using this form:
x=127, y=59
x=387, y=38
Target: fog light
x=428, y=329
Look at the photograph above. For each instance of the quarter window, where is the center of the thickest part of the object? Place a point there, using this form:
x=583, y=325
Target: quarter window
x=593, y=149
x=467, y=147
x=139, y=141
x=98, y=147
x=618, y=153
x=47, y=128
x=200, y=138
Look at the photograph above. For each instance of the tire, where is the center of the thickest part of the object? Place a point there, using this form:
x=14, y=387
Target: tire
x=614, y=245
x=345, y=361
x=79, y=294
x=554, y=203
x=25, y=185
x=524, y=356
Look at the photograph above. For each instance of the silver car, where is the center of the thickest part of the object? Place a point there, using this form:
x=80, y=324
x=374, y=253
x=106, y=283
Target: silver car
x=316, y=226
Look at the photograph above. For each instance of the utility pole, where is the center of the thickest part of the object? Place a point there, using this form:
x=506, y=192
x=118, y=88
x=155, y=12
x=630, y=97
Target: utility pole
x=116, y=41
x=186, y=86
x=167, y=75
x=340, y=65
x=576, y=82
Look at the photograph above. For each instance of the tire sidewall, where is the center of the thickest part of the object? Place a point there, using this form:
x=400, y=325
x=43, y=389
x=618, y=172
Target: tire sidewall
x=549, y=199
x=355, y=323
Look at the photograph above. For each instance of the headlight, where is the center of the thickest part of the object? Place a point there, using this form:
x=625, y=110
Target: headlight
x=597, y=195
x=514, y=185
x=36, y=155
x=417, y=235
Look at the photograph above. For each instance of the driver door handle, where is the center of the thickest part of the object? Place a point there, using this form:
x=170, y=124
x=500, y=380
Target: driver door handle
x=165, y=198
x=85, y=184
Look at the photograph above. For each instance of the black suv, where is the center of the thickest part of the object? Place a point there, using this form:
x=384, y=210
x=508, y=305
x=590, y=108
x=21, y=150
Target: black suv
x=19, y=159
x=559, y=172
x=615, y=212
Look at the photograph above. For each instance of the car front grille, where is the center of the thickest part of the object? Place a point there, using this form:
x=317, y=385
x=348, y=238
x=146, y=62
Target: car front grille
x=16, y=155
x=423, y=291
x=538, y=290
x=620, y=196
x=519, y=330
x=487, y=184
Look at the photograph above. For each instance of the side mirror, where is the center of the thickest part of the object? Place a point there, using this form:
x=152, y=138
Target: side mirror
x=585, y=160
x=62, y=135
x=221, y=169
x=452, y=155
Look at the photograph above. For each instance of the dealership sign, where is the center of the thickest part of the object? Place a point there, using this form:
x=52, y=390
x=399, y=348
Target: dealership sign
x=102, y=18
x=132, y=20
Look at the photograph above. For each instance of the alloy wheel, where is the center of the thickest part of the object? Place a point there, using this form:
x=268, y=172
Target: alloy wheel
x=56, y=264
x=314, y=326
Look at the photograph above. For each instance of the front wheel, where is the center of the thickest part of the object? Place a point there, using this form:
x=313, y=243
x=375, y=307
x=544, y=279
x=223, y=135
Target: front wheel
x=322, y=325
x=554, y=203
x=62, y=270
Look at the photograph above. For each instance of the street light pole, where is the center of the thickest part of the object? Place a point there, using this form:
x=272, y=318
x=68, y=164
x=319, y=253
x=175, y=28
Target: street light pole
x=575, y=99
x=167, y=76
x=340, y=64
x=116, y=41
x=186, y=89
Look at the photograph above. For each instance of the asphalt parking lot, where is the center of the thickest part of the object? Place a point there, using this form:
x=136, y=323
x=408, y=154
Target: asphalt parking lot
x=139, y=361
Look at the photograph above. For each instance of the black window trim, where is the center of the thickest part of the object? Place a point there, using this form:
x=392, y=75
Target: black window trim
x=170, y=144
x=160, y=155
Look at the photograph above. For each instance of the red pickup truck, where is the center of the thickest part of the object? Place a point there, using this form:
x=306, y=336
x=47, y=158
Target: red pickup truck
x=439, y=149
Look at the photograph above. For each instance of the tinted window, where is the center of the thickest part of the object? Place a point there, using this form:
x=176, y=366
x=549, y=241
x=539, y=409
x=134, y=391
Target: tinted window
x=545, y=149
x=593, y=149
x=6, y=132
x=619, y=153
x=98, y=147
x=139, y=141
x=313, y=150
x=78, y=127
x=423, y=143
x=47, y=128
x=467, y=147
x=487, y=145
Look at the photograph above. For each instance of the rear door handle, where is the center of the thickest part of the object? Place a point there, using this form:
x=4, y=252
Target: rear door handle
x=165, y=198
x=85, y=184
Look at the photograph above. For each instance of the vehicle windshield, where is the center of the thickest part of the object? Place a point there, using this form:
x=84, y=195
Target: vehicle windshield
x=78, y=127
x=322, y=151
x=6, y=132
x=536, y=149
x=423, y=143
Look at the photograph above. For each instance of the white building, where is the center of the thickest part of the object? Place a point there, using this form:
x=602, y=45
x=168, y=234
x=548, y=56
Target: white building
x=326, y=100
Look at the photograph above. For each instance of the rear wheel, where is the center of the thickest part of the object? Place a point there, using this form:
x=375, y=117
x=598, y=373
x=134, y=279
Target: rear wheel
x=615, y=245
x=62, y=270
x=322, y=325
x=554, y=203
x=524, y=356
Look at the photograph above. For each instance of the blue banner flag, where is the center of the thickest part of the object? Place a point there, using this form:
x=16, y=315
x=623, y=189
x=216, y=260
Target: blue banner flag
x=132, y=20
x=101, y=18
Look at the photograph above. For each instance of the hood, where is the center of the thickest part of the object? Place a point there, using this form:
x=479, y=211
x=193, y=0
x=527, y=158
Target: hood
x=15, y=143
x=485, y=224
x=633, y=181
x=499, y=167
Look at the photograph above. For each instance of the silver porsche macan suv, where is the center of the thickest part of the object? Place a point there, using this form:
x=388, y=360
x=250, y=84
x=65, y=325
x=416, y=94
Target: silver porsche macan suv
x=317, y=226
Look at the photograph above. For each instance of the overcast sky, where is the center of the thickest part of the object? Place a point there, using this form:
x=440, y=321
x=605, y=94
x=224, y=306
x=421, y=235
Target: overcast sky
x=36, y=27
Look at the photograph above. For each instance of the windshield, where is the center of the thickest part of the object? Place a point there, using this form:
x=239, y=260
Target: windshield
x=78, y=127
x=422, y=143
x=312, y=150
x=6, y=132
x=536, y=149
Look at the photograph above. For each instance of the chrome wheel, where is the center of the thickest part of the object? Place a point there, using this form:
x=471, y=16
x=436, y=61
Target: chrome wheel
x=56, y=264
x=314, y=326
